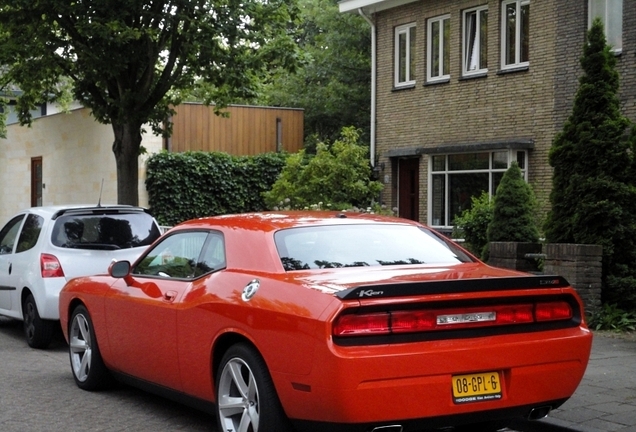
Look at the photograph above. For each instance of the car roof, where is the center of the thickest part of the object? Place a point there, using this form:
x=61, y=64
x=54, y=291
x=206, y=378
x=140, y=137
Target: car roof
x=273, y=221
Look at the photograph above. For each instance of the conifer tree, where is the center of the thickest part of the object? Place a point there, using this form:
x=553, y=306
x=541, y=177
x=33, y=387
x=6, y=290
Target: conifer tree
x=593, y=198
x=513, y=213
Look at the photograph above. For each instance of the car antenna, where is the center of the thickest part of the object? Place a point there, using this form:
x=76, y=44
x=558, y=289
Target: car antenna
x=101, y=189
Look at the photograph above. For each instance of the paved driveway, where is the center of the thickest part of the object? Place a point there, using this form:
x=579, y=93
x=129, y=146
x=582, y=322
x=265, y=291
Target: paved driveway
x=37, y=393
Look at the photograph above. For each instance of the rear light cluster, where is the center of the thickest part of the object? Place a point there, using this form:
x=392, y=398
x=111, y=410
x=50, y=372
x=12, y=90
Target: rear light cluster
x=411, y=321
x=50, y=266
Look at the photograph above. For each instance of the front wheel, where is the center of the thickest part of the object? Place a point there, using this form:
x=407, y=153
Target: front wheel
x=87, y=365
x=38, y=332
x=245, y=394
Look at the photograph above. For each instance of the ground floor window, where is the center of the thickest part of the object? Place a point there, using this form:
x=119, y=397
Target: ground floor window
x=456, y=178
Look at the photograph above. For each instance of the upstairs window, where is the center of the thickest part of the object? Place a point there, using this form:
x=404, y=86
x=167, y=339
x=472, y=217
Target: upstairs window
x=611, y=13
x=515, y=31
x=438, y=58
x=475, y=42
x=405, y=55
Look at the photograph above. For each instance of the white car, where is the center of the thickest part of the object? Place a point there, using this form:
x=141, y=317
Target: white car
x=43, y=247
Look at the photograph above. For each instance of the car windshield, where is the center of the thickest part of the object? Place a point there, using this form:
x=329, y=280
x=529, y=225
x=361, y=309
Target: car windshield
x=364, y=245
x=104, y=231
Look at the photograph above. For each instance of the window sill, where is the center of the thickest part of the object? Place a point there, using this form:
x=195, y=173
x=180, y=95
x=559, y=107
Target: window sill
x=405, y=87
x=432, y=83
x=474, y=76
x=513, y=70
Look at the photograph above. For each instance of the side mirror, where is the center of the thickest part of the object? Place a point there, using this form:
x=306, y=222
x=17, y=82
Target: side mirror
x=119, y=269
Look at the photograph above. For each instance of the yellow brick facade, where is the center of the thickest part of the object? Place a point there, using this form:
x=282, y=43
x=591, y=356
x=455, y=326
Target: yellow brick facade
x=527, y=105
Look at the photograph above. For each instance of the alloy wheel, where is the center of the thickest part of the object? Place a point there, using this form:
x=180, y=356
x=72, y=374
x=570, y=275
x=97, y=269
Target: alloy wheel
x=80, y=347
x=238, y=402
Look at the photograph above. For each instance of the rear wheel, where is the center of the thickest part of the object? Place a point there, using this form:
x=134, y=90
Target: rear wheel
x=245, y=394
x=38, y=332
x=87, y=365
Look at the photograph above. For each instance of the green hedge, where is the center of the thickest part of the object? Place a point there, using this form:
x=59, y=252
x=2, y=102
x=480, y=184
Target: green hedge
x=190, y=185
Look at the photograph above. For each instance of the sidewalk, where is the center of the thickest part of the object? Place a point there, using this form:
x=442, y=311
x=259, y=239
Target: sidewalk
x=606, y=398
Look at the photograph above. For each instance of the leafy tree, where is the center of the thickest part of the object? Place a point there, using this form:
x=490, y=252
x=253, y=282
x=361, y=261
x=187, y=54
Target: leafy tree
x=514, y=210
x=593, y=197
x=129, y=61
x=472, y=224
x=338, y=176
x=333, y=80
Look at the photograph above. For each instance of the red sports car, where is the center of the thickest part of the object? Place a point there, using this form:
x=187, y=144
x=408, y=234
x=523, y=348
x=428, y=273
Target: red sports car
x=328, y=321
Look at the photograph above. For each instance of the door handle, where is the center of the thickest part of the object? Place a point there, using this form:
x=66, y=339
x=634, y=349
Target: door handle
x=10, y=267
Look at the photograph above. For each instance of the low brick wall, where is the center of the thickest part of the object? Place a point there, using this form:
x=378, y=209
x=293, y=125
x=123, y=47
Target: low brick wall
x=514, y=255
x=581, y=265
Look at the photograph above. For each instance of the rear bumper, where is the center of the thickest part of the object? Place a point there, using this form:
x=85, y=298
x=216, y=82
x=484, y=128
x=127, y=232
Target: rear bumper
x=418, y=425
x=378, y=385
x=49, y=298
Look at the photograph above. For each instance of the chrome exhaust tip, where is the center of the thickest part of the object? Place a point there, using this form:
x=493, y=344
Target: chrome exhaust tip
x=390, y=428
x=539, y=413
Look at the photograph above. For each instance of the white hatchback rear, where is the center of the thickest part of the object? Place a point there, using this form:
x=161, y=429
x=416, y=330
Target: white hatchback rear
x=43, y=247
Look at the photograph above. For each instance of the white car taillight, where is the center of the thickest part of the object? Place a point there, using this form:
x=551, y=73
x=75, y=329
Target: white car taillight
x=50, y=266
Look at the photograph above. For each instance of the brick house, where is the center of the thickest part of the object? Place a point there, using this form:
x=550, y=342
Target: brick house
x=461, y=88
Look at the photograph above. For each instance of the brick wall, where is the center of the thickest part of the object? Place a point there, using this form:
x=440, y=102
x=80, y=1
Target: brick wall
x=581, y=266
x=531, y=104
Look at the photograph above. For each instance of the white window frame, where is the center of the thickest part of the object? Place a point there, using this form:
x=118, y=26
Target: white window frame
x=518, y=63
x=429, y=49
x=478, y=45
x=445, y=224
x=406, y=31
x=611, y=22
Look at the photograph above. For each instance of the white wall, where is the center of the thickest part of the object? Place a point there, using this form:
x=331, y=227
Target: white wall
x=76, y=155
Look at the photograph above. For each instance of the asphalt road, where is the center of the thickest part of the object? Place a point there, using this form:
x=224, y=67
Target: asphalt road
x=38, y=393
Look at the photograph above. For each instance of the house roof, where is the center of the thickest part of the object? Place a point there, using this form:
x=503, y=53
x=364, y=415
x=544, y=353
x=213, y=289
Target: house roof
x=371, y=6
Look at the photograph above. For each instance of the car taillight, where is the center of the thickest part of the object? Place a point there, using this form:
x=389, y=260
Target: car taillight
x=50, y=266
x=553, y=311
x=411, y=321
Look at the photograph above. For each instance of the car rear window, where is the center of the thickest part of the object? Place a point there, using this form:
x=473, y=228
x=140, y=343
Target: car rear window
x=104, y=231
x=319, y=247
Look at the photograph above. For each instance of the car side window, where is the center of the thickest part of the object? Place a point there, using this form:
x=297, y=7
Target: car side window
x=176, y=256
x=9, y=234
x=213, y=255
x=30, y=233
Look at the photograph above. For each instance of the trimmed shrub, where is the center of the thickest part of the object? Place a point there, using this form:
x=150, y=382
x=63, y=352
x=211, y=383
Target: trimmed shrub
x=190, y=185
x=514, y=209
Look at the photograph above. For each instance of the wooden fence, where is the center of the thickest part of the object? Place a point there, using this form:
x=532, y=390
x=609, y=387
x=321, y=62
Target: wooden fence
x=248, y=130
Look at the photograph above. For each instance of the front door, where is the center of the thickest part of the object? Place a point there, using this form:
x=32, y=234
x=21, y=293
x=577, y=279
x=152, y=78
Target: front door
x=409, y=188
x=141, y=311
x=36, y=182
x=8, y=239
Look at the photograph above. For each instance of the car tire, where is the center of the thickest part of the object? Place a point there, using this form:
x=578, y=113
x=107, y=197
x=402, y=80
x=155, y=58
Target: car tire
x=38, y=331
x=245, y=394
x=87, y=365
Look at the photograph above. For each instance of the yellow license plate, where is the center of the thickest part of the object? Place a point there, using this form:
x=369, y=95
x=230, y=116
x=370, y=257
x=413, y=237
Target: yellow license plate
x=476, y=387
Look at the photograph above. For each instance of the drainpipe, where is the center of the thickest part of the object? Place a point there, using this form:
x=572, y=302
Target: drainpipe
x=373, y=90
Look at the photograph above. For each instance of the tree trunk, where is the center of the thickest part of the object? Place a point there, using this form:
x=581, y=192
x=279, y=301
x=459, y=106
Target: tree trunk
x=126, y=150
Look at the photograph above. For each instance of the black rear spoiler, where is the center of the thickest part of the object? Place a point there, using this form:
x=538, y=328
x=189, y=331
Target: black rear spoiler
x=118, y=209
x=405, y=289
